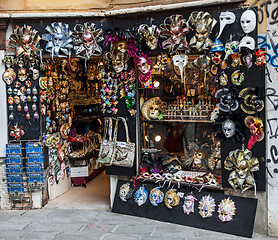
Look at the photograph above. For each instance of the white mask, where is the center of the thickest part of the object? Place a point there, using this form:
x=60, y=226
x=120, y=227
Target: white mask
x=225, y=18
x=248, y=21
x=180, y=61
x=247, y=42
x=143, y=66
x=228, y=128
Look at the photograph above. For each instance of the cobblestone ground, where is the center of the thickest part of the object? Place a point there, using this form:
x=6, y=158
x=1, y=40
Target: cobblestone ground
x=69, y=224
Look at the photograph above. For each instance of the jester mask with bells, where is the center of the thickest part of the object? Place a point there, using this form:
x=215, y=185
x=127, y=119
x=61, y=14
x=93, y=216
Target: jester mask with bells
x=25, y=41
x=150, y=34
x=143, y=64
x=117, y=59
x=203, y=23
x=59, y=39
x=86, y=38
x=174, y=28
x=180, y=61
x=242, y=164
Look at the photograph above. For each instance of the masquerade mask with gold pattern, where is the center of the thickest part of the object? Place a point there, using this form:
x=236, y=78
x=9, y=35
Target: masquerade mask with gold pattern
x=149, y=34
x=171, y=198
x=226, y=210
x=206, y=206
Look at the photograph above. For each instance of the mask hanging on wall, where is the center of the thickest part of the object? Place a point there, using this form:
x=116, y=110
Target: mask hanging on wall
x=59, y=39
x=8, y=61
x=203, y=23
x=242, y=165
x=86, y=37
x=260, y=58
x=228, y=128
x=118, y=60
x=247, y=42
x=231, y=47
x=227, y=100
x=247, y=59
x=248, y=21
x=255, y=126
x=251, y=103
x=150, y=34
x=175, y=29
x=236, y=61
x=225, y=18
x=25, y=41
x=9, y=76
x=143, y=64
x=180, y=61
x=34, y=73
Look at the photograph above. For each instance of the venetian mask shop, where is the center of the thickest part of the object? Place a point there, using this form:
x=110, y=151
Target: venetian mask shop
x=173, y=102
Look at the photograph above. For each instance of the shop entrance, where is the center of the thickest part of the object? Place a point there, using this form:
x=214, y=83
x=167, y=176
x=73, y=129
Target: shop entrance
x=72, y=104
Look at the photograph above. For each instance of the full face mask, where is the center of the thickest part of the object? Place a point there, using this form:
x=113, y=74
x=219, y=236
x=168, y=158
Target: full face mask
x=125, y=192
x=247, y=42
x=206, y=206
x=156, y=196
x=22, y=75
x=228, y=128
x=248, y=21
x=188, y=204
x=150, y=35
x=225, y=18
x=143, y=63
x=141, y=196
x=35, y=73
x=247, y=59
x=180, y=61
x=226, y=210
x=118, y=60
x=204, y=24
x=9, y=76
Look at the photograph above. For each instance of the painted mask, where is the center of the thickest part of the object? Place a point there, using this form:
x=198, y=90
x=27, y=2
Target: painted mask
x=174, y=28
x=156, y=196
x=180, y=61
x=248, y=21
x=225, y=18
x=241, y=163
x=25, y=41
x=247, y=59
x=141, y=196
x=59, y=39
x=9, y=76
x=226, y=210
x=125, y=192
x=237, y=78
x=214, y=115
x=231, y=47
x=247, y=42
x=188, y=204
x=154, y=111
x=255, y=126
x=171, y=198
x=228, y=128
x=236, y=62
x=118, y=60
x=17, y=132
x=227, y=100
x=22, y=74
x=120, y=46
x=143, y=63
x=150, y=35
x=223, y=79
x=86, y=37
x=204, y=24
x=206, y=206
x=8, y=61
x=260, y=57
x=216, y=57
x=35, y=73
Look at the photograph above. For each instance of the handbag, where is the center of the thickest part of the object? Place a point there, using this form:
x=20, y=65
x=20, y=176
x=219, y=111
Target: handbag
x=124, y=152
x=107, y=145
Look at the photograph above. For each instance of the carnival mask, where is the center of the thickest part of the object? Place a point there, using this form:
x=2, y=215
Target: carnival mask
x=248, y=21
x=118, y=60
x=227, y=100
x=171, y=198
x=226, y=210
x=17, y=132
x=247, y=42
x=141, y=196
x=242, y=165
x=216, y=57
x=143, y=63
x=156, y=196
x=125, y=192
x=59, y=39
x=206, y=206
x=204, y=24
x=231, y=47
x=9, y=76
x=260, y=58
x=223, y=79
x=247, y=59
x=35, y=73
x=214, y=115
x=251, y=102
x=236, y=62
x=174, y=28
x=24, y=41
x=154, y=111
x=228, y=128
x=87, y=37
x=152, y=108
x=22, y=74
x=255, y=126
x=150, y=35
x=188, y=204
x=180, y=61
x=8, y=61
x=237, y=78
x=225, y=18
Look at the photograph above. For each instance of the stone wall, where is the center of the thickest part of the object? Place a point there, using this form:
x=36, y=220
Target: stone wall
x=4, y=196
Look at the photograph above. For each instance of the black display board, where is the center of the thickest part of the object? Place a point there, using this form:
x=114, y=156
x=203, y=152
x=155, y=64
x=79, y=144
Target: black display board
x=242, y=223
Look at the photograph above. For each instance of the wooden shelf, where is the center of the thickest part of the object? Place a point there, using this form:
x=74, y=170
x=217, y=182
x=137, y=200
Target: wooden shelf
x=179, y=120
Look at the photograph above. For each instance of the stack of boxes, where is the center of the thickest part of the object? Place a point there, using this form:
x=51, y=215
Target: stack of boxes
x=14, y=169
x=34, y=165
